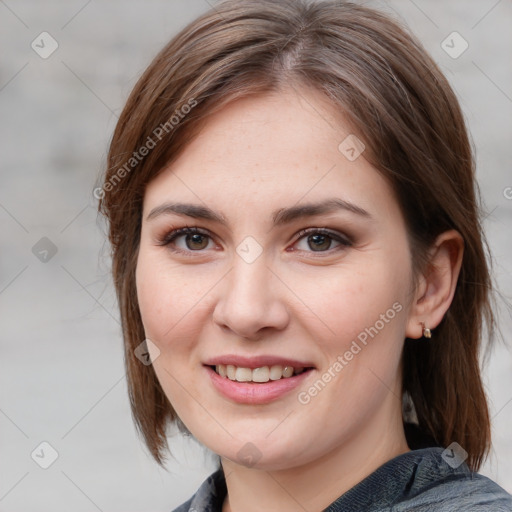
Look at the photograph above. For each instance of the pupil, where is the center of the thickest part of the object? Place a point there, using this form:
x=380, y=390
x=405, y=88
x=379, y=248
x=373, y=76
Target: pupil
x=318, y=239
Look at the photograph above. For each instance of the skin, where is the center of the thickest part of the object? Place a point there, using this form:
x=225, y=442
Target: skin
x=255, y=156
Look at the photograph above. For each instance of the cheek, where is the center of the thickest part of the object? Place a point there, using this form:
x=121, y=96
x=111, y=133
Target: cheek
x=172, y=300
x=360, y=320
x=159, y=307
x=168, y=305
x=346, y=301
x=150, y=296
x=361, y=314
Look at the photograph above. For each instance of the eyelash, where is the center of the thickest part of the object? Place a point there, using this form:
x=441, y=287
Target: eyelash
x=170, y=237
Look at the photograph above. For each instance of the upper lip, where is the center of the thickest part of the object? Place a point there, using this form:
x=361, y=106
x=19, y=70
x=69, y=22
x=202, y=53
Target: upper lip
x=257, y=361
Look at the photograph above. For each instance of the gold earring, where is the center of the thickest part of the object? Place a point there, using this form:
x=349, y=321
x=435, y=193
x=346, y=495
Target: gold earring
x=427, y=333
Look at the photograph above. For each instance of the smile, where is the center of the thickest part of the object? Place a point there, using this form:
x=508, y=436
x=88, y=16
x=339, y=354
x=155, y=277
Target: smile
x=256, y=386
x=259, y=375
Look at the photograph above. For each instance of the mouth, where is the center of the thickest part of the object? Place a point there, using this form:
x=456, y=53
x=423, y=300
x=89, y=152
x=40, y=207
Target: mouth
x=260, y=375
x=256, y=381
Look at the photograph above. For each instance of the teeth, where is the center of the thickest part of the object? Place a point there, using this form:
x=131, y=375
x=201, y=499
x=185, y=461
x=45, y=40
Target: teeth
x=243, y=374
x=262, y=374
x=276, y=372
x=287, y=371
x=230, y=372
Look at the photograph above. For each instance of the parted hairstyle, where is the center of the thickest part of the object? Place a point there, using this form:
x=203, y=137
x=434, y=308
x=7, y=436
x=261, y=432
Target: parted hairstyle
x=381, y=79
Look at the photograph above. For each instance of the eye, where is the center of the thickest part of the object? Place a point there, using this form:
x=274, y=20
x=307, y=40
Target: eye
x=184, y=240
x=321, y=240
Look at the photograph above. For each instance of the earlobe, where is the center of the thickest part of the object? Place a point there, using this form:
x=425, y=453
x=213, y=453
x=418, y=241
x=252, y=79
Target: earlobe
x=437, y=286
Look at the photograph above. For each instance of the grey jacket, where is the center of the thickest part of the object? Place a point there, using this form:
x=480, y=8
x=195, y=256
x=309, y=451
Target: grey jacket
x=424, y=480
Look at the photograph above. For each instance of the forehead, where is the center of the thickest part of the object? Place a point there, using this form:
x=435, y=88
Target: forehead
x=278, y=148
x=264, y=130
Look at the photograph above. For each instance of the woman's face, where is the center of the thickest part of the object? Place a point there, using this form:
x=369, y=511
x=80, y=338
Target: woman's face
x=252, y=294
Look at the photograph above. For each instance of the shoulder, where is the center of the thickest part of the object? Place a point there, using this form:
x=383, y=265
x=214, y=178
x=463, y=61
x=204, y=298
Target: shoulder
x=209, y=497
x=424, y=480
x=440, y=484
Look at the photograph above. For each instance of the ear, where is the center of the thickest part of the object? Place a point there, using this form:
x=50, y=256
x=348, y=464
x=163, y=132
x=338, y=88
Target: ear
x=436, y=287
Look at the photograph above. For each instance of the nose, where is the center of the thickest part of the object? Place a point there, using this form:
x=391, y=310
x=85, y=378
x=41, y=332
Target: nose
x=251, y=301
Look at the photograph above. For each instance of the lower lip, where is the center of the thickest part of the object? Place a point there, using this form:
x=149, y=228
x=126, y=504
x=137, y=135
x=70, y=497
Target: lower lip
x=255, y=393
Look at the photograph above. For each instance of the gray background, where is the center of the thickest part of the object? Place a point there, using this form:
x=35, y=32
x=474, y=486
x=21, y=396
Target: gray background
x=61, y=371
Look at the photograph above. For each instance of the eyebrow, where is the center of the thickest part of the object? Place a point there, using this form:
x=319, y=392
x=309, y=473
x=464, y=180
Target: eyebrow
x=279, y=217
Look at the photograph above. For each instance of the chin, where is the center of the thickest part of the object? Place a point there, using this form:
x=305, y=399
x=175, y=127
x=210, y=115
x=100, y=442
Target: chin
x=259, y=453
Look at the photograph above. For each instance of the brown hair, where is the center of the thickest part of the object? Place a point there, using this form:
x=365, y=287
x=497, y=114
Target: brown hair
x=375, y=73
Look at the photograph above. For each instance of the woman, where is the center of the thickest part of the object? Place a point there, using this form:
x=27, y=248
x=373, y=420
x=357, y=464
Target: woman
x=299, y=263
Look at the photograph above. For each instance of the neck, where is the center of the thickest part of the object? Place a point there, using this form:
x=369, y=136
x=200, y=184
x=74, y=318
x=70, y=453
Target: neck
x=314, y=485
